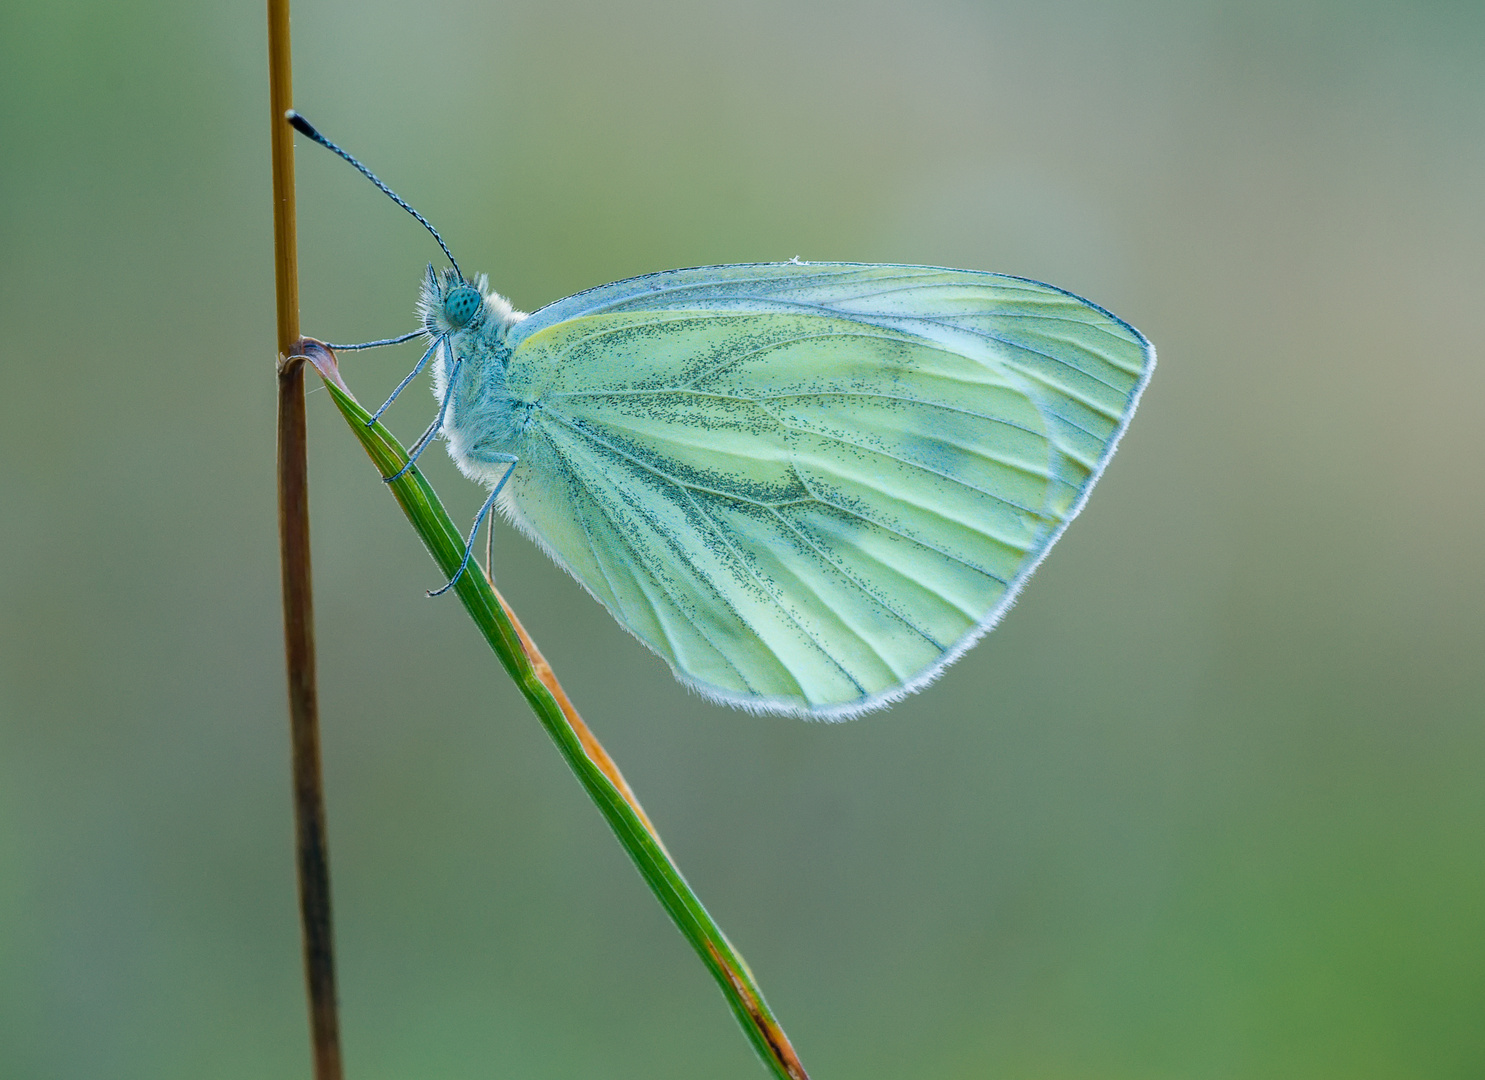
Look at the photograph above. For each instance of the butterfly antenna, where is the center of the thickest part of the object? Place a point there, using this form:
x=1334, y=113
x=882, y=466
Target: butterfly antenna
x=304, y=127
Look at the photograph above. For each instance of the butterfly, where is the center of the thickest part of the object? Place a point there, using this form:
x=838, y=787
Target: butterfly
x=808, y=487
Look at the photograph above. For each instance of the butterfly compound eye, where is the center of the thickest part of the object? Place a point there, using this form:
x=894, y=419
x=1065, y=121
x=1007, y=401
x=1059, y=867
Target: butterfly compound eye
x=460, y=305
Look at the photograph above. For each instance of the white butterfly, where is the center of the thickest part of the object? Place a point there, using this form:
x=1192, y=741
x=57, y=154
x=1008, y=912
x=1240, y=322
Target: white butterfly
x=808, y=487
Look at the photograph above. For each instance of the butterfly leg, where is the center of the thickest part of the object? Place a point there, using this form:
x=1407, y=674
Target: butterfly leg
x=413, y=374
x=427, y=436
x=478, y=520
x=398, y=340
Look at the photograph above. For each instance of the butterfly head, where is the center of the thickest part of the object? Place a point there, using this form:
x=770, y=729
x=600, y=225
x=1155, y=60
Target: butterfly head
x=453, y=307
x=450, y=304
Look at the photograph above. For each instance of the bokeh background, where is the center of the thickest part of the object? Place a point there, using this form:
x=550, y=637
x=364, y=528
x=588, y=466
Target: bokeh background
x=1208, y=804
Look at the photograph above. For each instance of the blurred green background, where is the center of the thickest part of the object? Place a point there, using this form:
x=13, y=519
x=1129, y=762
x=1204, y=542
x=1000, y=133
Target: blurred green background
x=1208, y=804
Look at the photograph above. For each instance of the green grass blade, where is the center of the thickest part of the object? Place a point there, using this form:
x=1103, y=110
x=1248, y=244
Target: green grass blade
x=594, y=769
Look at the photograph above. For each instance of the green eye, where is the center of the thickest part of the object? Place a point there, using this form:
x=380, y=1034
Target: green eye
x=460, y=305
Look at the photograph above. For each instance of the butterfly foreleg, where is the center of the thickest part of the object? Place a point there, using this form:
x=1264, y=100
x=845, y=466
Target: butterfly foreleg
x=427, y=436
x=379, y=342
x=510, y=460
x=411, y=375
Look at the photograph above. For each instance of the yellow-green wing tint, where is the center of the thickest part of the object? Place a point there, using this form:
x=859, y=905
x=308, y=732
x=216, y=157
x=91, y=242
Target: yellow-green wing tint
x=809, y=487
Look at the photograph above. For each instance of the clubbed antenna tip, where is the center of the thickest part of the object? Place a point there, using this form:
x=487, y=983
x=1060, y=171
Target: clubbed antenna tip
x=301, y=125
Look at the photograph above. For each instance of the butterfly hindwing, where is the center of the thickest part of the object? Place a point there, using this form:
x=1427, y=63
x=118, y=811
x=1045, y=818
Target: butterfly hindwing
x=810, y=487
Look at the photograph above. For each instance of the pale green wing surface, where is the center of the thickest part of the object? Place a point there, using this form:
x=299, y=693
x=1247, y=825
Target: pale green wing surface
x=810, y=487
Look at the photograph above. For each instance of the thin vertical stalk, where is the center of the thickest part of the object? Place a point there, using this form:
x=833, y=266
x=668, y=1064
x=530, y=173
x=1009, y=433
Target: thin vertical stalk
x=293, y=522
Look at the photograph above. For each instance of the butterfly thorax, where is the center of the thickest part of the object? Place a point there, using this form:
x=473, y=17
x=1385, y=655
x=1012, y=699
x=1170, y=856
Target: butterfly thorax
x=483, y=423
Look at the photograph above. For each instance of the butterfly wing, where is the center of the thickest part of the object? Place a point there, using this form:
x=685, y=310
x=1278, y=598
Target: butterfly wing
x=810, y=487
